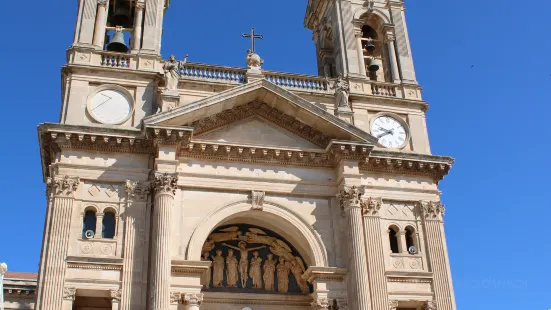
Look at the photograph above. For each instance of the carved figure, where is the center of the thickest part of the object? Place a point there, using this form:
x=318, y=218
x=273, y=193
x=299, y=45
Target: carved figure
x=205, y=278
x=342, y=89
x=171, y=72
x=253, y=60
x=255, y=271
x=218, y=269
x=243, y=260
x=207, y=247
x=231, y=269
x=269, y=271
x=230, y=233
x=297, y=268
x=283, y=269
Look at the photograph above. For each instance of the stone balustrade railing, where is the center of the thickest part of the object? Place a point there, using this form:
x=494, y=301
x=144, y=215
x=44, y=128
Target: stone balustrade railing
x=383, y=89
x=117, y=60
x=298, y=82
x=213, y=73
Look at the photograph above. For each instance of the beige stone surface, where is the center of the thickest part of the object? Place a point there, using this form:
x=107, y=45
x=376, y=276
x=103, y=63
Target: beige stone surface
x=269, y=150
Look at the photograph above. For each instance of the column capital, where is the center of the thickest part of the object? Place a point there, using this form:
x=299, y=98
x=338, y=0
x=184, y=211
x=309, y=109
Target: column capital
x=69, y=293
x=195, y=299
x=320, y=303
x=102, y=3
x=350, y=197
x=342, y=304
x=371, y=206
x=175, y=298
x=63, y=186
x=393, y=304
x=432, y=210
x=430, y=305
x=165, y=183
x=115, y=295
x=140, y=6
x=137, y=191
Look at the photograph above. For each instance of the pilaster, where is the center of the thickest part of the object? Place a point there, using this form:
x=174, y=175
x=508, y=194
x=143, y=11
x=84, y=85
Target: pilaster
x=101, y=24
x=87, y=22
x=69, y=294
x=62, y=190
x=433, y=225
x=152, y=29
x=375, y=253
x=358, y=283
x=402, y=43
x=135, y=243
x=165, y=186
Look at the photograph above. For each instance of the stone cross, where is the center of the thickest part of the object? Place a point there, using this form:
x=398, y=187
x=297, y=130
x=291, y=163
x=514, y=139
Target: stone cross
x=253, y=36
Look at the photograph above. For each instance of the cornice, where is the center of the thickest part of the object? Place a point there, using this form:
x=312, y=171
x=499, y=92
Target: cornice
x=325, y=274
x=196, y=268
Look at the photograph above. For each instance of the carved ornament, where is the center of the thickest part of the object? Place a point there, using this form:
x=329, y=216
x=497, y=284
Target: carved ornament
x=165, y=183
x=257, y=200
x=102, y=3
x=193, y=299
x=430, y=305
x=63, y=186
x=116, y=295
x=371, y=206
x=69, y=293
x=175, y=298
x=138, y=190
x=350, y=197
x=432, y=210
x=320, y=303
x=393, y=304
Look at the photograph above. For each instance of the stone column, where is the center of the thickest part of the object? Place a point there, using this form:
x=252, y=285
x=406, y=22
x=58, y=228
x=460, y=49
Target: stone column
x=358, y=282
x=361, y=60
x=193, y=301
x=389, y=40
x=115, y=299
x=433, y=226
x=138, y=21
x=101, y=24
x=69, y=294
x=134, y=245
x=63, y=190
x=375, y=253
x=403, y=244
x=165, y=186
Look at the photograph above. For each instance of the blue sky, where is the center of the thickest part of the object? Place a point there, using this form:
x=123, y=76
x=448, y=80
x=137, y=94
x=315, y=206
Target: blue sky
x=485, y=70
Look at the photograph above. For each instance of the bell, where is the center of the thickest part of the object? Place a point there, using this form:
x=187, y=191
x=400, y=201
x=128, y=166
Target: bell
x=372, y=65
x=121, y=17
x=370, y=45
x=117, y=43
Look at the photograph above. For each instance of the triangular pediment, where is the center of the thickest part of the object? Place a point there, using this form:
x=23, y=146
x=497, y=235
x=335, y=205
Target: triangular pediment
x=271, y=102
x=256, y=131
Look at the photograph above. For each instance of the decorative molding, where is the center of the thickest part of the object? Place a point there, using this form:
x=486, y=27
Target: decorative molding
x=257, y=200
x=140, y=6
x=193, y=299
x=63, y=186
x=325, y=274
x=175, y=298
x=432, y=210
x=350, y=197
x=138, y=190
x=69, y=293
x=165, y=183
x=371, y=206
x=258, y=108
x=115, y=295
x=102, y=3
x=320, y=303
x=430, y=305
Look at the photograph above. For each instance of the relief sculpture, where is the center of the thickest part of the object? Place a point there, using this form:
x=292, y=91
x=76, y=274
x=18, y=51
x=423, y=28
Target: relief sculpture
x=252, y=259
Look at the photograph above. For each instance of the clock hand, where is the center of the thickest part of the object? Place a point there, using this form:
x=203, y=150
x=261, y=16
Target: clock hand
x=384, y=134
x=386, y=130
x=102, y=103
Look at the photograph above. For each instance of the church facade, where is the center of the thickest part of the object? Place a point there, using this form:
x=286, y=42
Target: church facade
x=179, y=185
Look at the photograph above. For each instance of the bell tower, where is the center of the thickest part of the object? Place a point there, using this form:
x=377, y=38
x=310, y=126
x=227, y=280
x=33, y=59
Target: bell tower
x=361, y=40
x=133, y=26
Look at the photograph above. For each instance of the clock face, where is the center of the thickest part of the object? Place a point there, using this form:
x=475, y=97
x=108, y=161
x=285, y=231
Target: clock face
x=389, y=132
x=110, y=107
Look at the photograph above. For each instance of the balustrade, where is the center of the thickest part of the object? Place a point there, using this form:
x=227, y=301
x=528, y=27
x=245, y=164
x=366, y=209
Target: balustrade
x=116, y=60
x=213, y=73
x=298, y=82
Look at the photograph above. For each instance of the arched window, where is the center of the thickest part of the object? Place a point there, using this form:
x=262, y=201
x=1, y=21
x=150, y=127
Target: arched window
x=393, y=239
x=88, y=223
x=410, y=237
x=108, y=225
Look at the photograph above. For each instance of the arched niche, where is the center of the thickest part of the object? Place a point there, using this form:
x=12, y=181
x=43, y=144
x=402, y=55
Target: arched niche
x=274, y=217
